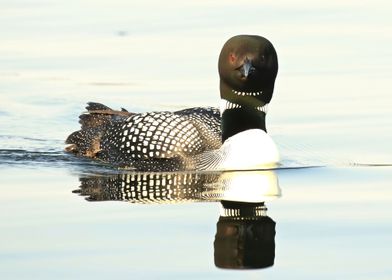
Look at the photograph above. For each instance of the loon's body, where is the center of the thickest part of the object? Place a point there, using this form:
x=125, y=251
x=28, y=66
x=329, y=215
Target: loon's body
x=201, y=138
x=161, y=141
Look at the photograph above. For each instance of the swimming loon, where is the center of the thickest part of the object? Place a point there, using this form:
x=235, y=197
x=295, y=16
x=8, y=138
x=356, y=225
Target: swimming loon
x=201, y=138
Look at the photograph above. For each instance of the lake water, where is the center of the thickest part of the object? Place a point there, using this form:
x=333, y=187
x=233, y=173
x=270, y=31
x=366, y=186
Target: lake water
x=330, y=116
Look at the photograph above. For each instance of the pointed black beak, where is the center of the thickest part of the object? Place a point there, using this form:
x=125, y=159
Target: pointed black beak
x=247, y=68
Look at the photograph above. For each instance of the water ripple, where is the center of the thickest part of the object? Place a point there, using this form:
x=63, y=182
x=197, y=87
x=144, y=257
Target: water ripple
x=53, y=159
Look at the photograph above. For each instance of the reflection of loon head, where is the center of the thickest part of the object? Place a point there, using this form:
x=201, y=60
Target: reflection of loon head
x=245, y=237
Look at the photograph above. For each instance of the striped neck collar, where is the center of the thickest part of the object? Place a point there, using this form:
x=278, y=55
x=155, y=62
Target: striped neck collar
x=225, y=105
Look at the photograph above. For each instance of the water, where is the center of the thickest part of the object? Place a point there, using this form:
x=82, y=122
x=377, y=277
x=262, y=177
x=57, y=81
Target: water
x=331, y=109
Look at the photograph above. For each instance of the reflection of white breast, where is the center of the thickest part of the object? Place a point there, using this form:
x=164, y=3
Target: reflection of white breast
x=248, y=186
x=250, y=149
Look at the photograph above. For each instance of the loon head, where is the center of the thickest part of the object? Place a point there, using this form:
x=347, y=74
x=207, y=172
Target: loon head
x=248, y=65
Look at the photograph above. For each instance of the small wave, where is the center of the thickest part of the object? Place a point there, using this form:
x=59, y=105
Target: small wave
x=53, y=159
x=20, y=155
x=371, y=164
x=14, y=137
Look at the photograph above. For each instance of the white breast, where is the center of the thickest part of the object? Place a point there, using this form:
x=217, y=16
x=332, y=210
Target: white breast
x=250, y=149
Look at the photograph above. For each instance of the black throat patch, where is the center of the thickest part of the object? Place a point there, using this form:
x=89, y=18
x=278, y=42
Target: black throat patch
x=240, y=119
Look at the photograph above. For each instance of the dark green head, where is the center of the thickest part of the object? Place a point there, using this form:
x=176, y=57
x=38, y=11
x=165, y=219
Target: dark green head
x=248, y=66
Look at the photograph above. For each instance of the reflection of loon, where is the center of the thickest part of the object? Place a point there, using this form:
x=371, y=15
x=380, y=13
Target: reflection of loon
x=146, y=187
x=245, y=234
x=191, y=139
x=249, y=186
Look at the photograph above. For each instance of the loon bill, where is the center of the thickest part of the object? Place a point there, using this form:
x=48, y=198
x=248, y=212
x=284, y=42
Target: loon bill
x=200, y=138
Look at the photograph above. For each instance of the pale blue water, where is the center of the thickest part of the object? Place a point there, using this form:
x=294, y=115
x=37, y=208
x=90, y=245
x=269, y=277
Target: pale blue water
x=331, y=108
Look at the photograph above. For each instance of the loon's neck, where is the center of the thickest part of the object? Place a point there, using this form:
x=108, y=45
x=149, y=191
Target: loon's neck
x=241, y=111
x=240, y=119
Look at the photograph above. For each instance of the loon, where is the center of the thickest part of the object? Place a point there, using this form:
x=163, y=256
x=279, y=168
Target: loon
x=200, y=138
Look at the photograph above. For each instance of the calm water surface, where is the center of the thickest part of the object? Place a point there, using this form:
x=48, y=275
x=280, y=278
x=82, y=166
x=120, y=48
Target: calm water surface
x=70, y=218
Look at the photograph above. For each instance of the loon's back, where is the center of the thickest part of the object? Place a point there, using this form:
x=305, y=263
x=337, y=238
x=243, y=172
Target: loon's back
x=162, y=141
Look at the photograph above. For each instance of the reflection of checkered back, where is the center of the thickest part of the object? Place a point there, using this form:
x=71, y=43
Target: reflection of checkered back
x=247, y=186
x=147, y=187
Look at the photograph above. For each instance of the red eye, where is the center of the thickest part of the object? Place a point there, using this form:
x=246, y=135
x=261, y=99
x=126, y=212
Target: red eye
x=232, y=58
